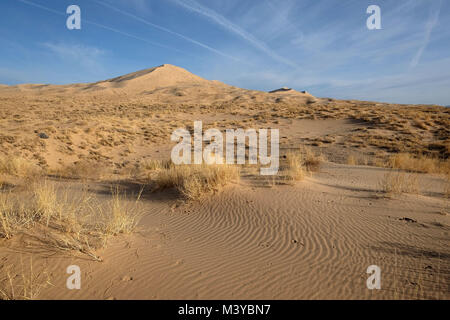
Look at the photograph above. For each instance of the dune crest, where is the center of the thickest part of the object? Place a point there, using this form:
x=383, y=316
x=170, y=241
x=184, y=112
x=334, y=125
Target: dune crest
x=165, y=75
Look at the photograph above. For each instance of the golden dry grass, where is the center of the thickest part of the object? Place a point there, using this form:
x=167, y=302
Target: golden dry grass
x=120, y=216
x=66, y=222
x=423, y=164
x=311, y=160
x=18, y=166
x=22, y=283
x=394, y=183
x=294, y=170
x=447, y=187
x=195, y=181
x=351, y=160
x=82, y=169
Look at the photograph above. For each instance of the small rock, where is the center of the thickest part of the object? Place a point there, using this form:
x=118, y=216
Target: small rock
x=43, y=135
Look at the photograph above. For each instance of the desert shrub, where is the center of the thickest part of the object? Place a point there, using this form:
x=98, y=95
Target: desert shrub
x=421, y=163
x=82, y=169
x=195, y=181
x=120, y=216
x=294, y=169
x=311, y=160
x=351, y=160
x=22, y=282
x=398, y=183
x=152, y=165
x=67, y=222
x=17, y=166
x=447, y=187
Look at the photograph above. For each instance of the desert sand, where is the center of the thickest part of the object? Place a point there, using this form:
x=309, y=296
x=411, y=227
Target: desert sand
x=373, y=190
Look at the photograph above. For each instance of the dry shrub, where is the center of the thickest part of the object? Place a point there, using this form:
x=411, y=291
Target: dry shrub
x=398, y=183
x=153, y=165
x=447, y=187
x=22, y=283
x=65, y=222
x=195, y=181
x=147, y=168
x=298, y=163
x=354, y=160
x=294, y=170
x=351, y=160
x=82, y=169
x=120, y=216
x=423, y=164
x=14, y=215
x=311, y=160
x=19, y=167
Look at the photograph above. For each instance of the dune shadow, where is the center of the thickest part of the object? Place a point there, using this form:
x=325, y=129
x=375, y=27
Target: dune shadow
x=372, y=193
x=133, y=189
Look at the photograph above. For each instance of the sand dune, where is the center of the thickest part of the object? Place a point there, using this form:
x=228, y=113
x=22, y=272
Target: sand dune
x=379, y=195
x=164, y=83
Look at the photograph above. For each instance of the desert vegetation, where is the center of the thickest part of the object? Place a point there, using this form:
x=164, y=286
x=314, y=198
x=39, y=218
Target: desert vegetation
x=63, y=222
x=193, y=181
x=22, y=282
x=394, y=183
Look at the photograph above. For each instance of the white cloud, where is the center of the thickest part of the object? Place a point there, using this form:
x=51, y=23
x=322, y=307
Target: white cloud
x=161, y=28
x=85, y=56
x=234, y=28
x=431, y=23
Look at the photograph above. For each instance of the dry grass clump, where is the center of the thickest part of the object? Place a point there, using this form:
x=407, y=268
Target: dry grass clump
x=147, y=168
x=82, y=169
x=195, y=181
x=447, y=187
x=398, y=183
x=351, y=160
x=120, y=216
x=65, y=222
x=22, y=283
x=19, y=167
x=423, y=164
x=294, y=170
x=298, y=163
x=311, y=160
x=355, y=159
x=152, y=165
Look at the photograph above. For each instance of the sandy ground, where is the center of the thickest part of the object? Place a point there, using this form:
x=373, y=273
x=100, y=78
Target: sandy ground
x=311, y=241
x=251, y=240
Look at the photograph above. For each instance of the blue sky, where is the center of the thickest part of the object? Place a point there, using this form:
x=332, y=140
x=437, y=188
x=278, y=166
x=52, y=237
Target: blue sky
x=322, y=46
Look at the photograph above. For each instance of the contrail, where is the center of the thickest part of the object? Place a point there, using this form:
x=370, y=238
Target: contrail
x=431, y=23
x=166, y=30
x=228, y=25
x=103, y=26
